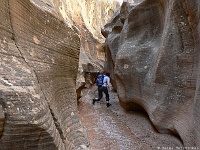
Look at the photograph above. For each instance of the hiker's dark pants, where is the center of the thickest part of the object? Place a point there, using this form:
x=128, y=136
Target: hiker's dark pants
x=102, y=89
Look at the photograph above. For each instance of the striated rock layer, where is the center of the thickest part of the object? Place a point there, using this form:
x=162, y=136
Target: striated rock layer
x=89, y=16
x=39, y=56
x=152, y=49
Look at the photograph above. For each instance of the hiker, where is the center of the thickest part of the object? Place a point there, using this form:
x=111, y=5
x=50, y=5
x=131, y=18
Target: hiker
x=103, y=83
x=99, y=83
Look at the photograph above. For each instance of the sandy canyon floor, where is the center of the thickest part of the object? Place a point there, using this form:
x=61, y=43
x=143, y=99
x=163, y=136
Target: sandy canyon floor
x=113, y=128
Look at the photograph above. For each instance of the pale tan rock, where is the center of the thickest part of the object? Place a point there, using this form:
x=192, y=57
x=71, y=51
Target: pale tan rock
x=89, y=16
x=39, y=56
x=41, y=44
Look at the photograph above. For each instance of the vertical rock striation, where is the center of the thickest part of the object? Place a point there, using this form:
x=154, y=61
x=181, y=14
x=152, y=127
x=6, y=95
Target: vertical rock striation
x=39, y=56
x=152, y=48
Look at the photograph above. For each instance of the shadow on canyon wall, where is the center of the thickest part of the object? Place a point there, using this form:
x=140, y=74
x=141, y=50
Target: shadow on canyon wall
x=151, y=49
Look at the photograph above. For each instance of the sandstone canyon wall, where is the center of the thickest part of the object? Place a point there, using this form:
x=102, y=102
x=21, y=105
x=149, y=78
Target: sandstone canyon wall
x=88, y=17
x=49, y=48
x=152, y=49
x=39, y=63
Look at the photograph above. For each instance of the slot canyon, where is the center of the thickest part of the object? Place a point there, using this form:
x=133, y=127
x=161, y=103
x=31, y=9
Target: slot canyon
x=51, y=52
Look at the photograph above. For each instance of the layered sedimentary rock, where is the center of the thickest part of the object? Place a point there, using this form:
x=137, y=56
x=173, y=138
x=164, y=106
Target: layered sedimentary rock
x=152, y=48
x=89, y=16
x=39, y=56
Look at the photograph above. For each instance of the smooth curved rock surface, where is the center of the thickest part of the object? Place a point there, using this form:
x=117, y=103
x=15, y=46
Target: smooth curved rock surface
x=152, y=49
x=88, y=16
x=39, y=57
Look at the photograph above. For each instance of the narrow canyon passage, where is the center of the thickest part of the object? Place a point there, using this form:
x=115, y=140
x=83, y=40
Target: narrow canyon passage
x=51, y=49
x=114, y=129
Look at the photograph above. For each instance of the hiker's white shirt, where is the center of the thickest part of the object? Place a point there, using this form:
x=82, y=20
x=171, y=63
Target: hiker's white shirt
x=106, y=81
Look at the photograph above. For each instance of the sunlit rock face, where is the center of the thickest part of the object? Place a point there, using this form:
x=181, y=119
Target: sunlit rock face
x=39, y=55
x=152, y=48
x=89, y=16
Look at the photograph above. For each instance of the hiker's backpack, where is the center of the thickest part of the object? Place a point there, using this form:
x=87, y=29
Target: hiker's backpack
x=99, y=80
